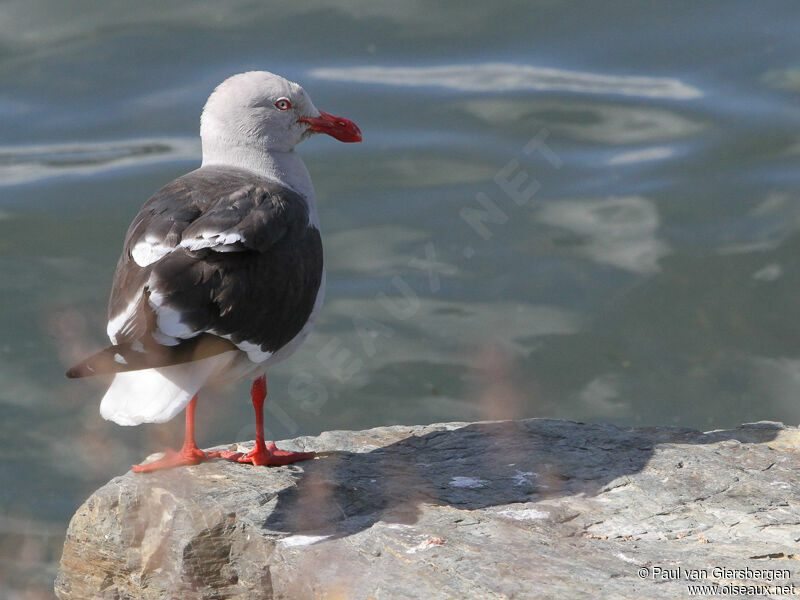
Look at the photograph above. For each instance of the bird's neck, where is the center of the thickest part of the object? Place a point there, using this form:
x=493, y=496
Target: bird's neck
x=286, y=168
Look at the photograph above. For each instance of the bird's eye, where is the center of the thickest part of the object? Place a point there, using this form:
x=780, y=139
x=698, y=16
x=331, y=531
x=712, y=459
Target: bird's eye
x=283, y=104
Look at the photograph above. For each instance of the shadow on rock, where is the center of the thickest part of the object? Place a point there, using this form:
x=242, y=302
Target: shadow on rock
x=471, y=467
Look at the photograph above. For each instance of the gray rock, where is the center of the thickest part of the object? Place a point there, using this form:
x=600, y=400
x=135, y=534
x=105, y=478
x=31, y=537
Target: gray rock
x=517, y=509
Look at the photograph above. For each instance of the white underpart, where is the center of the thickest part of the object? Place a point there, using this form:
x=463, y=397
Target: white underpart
x=157, y=395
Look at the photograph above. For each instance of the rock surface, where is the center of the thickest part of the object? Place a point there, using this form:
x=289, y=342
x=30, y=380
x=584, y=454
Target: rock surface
x=517, y=509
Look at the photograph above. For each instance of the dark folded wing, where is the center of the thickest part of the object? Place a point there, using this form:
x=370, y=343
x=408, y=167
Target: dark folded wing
x=218, y=252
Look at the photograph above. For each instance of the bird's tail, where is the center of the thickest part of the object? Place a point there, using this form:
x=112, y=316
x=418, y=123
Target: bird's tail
x=157, y=395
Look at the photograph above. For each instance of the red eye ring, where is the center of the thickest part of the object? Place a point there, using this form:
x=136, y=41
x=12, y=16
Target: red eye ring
x=283, y=104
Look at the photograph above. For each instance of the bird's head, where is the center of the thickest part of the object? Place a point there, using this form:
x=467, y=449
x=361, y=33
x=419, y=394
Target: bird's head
x=267, y=110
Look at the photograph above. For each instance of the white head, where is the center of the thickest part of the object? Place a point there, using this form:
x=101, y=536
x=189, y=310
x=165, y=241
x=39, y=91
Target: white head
x=266, y=111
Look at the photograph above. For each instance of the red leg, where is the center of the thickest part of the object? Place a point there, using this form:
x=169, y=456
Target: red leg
x=190, y=454
x=264, y=454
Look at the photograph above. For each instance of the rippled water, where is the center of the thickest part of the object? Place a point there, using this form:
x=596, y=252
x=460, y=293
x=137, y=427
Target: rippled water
x=578, y=211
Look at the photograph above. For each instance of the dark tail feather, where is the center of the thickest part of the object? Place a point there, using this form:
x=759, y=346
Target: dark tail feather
x=122, y=357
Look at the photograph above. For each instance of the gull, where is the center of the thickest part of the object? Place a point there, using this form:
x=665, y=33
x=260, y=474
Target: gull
x=221, y=275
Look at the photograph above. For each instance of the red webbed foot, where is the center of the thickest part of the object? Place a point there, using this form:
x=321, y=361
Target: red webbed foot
x=171, y=459
x=263, y=455
x=267, y=455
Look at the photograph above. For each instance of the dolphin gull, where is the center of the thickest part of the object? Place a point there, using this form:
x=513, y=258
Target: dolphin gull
x=221, y=275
